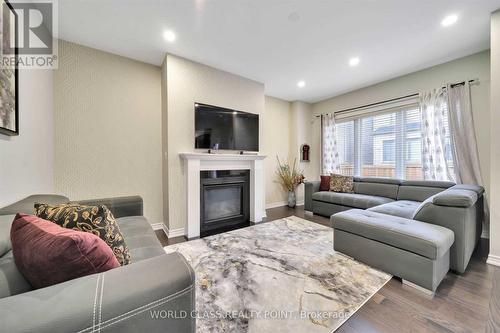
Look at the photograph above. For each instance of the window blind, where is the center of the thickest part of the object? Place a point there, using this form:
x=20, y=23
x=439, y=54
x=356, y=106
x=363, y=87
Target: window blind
x=383, y=143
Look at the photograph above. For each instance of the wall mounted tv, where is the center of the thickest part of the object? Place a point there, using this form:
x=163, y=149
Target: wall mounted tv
x=220, y=128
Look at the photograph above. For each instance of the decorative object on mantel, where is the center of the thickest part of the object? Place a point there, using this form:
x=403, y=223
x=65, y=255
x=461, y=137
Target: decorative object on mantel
x=304, y=153
x=290, y=177
x=9, y=82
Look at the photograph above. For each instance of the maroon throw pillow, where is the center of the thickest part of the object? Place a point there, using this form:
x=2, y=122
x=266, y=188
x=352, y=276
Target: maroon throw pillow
x=47, y=254
x=325, y=183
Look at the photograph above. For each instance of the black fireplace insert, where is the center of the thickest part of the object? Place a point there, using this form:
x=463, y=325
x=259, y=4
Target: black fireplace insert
x=224, y=201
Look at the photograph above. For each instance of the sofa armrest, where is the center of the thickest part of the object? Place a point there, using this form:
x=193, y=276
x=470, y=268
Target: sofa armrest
x=475, y=188
x=119, y=206
x=27, y=204
x=309, y=189
x=463, y=214
x=124, y=299
x=455, y=198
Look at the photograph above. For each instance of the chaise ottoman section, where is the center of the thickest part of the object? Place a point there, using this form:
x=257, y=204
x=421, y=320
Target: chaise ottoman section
x=415, y=251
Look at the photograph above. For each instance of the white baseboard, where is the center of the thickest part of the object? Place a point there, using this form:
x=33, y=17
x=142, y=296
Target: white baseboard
x=276, y=204
x=159, y=226
x=427, y=292
x=493, y=260
x=170, y=233
x=281, y=204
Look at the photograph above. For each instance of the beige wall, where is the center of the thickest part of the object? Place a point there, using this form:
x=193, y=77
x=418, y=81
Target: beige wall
x=286, y=128
x=476, y=66
x=302, y=133
x=164, y=140
x=121, y=152
x=188, y=82
x=276, y=142
x=495, y=141
x=107, y=127
x=26, y=161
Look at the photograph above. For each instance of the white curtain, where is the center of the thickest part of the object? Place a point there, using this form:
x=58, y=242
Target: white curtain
x=463, y=136
x=433, y=106
x=330, y=155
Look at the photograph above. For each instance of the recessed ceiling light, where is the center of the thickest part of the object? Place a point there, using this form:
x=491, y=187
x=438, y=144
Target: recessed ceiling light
x=169, y=36
x=301, y=84
x=294, y=17
x=449, y=20
x=354, y=61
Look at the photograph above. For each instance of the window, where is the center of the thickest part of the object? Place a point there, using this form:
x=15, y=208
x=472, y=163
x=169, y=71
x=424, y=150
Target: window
x=381, y=144
x=413, y=150
x=345, y=147
x=389, y=149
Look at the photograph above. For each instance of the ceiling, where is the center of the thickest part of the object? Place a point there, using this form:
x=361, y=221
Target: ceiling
x=281, y=42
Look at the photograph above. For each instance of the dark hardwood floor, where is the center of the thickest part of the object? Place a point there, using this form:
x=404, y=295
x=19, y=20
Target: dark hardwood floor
x=165, y=241
x=463, y=303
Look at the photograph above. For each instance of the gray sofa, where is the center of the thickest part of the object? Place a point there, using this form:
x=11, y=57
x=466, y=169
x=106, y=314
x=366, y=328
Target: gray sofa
x=372, y=222
x=119, y=300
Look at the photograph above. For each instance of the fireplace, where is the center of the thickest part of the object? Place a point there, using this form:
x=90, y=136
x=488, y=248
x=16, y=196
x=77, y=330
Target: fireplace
x=196, y=162
x=224, y=201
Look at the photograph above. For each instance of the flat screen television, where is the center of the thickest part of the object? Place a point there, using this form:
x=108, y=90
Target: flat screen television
x=220, y=128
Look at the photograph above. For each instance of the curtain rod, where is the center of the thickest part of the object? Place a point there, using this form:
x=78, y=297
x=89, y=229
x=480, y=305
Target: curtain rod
x=391, y=100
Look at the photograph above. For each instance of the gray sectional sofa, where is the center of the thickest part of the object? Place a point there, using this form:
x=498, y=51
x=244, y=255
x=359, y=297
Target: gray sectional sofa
x=154, y=281
x=415, y=230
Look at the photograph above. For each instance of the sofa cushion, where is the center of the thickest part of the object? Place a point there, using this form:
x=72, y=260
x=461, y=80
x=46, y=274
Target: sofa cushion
x=455, y=198
x=428, y=240
x=402, y=208
x=47, y=254
x=94, y=219
x=378, y=180
x=12, y=282
x=351, y=199
x=428, y=183
x=377, y=189
x=475, y=188
x=141, y=239
x=5, y=224
x=417, y=193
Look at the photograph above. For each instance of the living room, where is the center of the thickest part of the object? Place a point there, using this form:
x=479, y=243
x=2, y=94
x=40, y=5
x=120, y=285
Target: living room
x=250, y=166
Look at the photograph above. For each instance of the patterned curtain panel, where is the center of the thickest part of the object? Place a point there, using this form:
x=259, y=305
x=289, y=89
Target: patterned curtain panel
x=465, y=155
x=330, y=155
x=437, y=160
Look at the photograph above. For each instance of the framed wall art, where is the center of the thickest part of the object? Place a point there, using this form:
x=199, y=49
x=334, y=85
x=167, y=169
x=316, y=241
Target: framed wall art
x=9, y=76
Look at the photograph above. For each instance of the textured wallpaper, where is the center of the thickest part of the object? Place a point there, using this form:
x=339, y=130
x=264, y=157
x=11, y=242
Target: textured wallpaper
x=188, y=82
x=26, y=161
x=108, y=127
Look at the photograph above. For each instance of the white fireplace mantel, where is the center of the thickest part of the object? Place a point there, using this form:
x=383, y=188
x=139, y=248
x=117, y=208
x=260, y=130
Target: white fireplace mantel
x=196, y=162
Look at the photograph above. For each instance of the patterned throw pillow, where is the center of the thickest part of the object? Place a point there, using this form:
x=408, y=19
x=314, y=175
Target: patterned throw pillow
x=341, y=183
x=94, y=219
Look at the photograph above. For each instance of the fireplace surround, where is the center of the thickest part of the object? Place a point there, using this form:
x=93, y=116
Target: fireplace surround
x=194, y=162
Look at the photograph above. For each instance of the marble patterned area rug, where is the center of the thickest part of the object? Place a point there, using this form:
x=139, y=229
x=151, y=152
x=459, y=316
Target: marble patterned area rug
x=280, y=276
